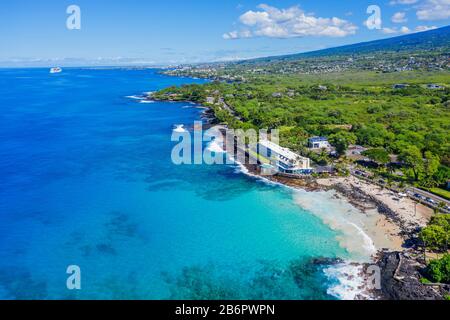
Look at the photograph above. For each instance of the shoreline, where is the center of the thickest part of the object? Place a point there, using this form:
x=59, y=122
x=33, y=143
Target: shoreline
x=393, y=223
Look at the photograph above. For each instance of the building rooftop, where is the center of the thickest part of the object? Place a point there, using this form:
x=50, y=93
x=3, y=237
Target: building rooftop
x=286, y=153
x=318, y=139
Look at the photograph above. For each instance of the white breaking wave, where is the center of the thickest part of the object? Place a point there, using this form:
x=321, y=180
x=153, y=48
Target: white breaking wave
x=146, y=101
x=215, y=146
x=349, y=282
x=180, y=129
x=135, y=97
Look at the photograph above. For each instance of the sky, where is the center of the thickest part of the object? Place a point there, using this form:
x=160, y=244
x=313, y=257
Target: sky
x=155, y=32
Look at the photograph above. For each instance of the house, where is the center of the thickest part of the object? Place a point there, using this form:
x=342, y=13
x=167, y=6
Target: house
x=210, y=100
x=400, y=86
x=433, y=86
x=323, y=88
x=277, y=95
x=319, y=143
x=284, y=159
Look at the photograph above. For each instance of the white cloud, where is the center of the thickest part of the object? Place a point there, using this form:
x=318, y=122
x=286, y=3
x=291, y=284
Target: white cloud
x=395, y=2
x=434, y=10
x=389, y=30
x=424, y=28
x=399, y=17
x=289, y=23
x=406, y=30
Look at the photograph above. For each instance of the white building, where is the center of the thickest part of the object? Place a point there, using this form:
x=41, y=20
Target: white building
x=319, y=143
x=284, y=159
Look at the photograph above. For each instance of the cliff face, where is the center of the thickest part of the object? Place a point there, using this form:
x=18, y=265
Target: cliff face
x=400, y=278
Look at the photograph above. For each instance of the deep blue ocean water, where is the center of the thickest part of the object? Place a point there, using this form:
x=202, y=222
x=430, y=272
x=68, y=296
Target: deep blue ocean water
x=87, y=180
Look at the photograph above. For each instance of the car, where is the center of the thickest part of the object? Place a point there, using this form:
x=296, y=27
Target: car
x=416, y=195
x=403, y=195
x=429, y=200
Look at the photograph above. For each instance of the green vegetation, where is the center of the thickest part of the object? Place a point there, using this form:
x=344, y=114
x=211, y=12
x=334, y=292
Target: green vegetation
x=437, y=234
x=435, y=237
x=439, y=270
x=378, y=155
x=411, y=122
x=440, y=192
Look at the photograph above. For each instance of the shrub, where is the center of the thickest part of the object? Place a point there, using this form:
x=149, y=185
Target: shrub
x=437, y=234
x=434, y=237
x=439, y=270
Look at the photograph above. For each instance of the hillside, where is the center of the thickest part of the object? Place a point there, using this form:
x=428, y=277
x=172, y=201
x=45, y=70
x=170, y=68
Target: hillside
x=427, y=51
x=432, y=40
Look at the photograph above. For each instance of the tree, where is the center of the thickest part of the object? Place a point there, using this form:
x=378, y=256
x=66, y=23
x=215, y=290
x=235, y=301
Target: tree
x=378, y=155
x=439, y=270
x=431, y=167
x=341, y=141
x=412, y=157
x=434, y=237
x=373, y=135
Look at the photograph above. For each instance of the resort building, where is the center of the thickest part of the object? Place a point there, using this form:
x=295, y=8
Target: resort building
x=283, y=159
x=319, y=143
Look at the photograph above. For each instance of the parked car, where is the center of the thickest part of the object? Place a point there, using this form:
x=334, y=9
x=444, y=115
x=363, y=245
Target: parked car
x=429, y=200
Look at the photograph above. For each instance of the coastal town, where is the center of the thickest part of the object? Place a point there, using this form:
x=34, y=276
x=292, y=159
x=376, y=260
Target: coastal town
x=387, y=153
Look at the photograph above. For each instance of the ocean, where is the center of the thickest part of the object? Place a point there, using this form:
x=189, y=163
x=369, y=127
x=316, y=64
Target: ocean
x=87, y=180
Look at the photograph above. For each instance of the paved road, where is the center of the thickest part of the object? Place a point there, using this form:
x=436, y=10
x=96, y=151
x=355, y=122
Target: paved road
x=412, y=192
x=425, y=194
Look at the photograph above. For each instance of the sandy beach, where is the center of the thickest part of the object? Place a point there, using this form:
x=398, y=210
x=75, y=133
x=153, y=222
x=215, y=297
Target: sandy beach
x=408, y=213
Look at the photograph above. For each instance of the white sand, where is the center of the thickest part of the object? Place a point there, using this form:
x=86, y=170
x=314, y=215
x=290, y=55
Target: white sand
x=412, y=214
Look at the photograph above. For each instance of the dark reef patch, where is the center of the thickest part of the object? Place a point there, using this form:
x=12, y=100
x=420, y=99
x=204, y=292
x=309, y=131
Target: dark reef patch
x=301, y=279
x=20, y=285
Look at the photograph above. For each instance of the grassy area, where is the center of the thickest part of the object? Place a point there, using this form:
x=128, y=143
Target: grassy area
x=440, y=192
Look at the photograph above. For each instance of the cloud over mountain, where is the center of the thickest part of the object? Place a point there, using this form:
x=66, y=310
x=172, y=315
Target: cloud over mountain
x=434, y=10
x=292, y=22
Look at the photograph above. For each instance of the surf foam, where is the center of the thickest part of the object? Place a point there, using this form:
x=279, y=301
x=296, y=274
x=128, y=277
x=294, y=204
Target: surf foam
x=349, y=282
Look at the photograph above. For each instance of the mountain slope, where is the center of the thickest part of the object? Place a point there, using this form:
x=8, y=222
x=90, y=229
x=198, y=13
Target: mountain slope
x=432, y=40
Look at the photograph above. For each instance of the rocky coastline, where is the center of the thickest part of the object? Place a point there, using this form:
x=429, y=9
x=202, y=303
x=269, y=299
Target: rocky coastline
x=400, y=270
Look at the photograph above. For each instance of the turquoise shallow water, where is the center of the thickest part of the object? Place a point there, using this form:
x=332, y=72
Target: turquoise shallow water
x=87, y=180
